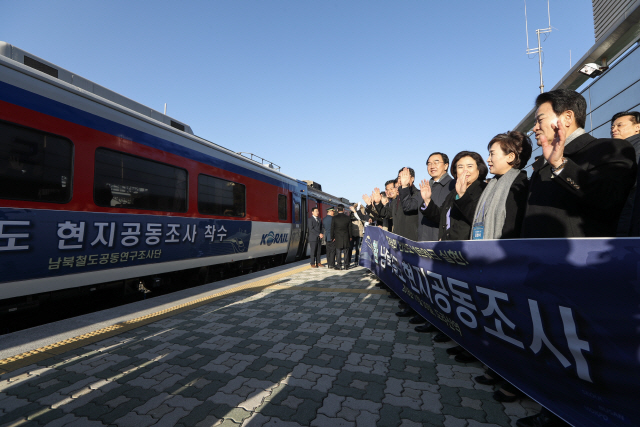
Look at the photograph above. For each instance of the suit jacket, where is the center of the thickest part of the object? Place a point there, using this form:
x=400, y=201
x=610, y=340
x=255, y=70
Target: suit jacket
x=428, y=230
x=326, y=222
x=460, y=212
x=586, y=198
x=341, y=231
x=315, y=229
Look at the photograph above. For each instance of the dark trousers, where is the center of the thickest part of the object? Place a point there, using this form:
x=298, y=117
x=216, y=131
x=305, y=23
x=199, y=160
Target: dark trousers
x=316, y=251
x=355, y=244
x=339, y=253
x=331, y=254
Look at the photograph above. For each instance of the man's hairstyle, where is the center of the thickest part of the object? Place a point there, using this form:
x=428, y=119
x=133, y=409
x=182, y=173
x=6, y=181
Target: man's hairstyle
x=563, y=100
x=445, y=158
x=514, y=142
x=383, y=194
x=634, y=116
x=315, y=209
x=482, y=167
x=411, y=171
x=391, y=181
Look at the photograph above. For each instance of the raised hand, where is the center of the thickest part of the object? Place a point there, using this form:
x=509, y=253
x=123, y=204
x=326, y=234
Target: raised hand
x=405, y=178
x=553, y=151
x=376, y=195
x=461, y=184
x=352, y=209
x=425, y=191
x=367, y=199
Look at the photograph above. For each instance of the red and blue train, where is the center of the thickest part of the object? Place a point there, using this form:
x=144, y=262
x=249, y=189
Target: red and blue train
x=98, y=191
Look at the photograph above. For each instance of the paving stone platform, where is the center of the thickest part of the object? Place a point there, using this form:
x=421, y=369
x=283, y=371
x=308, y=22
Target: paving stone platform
x=318, y=348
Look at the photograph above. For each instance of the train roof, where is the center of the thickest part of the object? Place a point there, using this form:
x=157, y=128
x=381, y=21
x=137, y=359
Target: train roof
x=60, y=73
x=46, y=71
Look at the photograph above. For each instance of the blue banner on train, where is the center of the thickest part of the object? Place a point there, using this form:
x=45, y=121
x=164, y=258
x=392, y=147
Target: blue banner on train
x=63, y=242
x=559, y=318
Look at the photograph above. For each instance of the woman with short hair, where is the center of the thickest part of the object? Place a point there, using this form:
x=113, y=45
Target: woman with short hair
x=456, y=213
x=499, y=215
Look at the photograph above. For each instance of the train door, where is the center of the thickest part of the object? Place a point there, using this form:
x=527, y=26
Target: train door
x=304, y=231
x=297, y=227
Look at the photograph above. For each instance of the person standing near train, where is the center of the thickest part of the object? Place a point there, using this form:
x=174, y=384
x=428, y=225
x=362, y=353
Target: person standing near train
x=316, y=233
x=331, y=245
x=341, y=236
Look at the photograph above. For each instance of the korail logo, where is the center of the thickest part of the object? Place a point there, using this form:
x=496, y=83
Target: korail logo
x=271, y=238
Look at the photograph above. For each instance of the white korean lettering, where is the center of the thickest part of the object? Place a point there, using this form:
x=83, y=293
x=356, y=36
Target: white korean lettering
x=101, y=229
x=68, y=231
x=154, y=231
x=190, y=237
x=539, y=337
x=424, y=284
x=576, y=345
x=13, y=237
x=222, y=232
x=464, y=310
x=435, y=280
x=492, y=307
x=210, y=232
x=173, y=233
x=130, y=234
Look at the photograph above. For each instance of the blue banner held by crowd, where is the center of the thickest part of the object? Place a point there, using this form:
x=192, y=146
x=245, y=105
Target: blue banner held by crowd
x=558, y=318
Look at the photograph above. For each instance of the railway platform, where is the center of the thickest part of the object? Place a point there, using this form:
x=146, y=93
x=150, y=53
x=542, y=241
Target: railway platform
x=293, y=346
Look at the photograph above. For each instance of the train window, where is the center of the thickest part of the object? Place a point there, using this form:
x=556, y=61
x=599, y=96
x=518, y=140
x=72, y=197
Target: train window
x=220, y=197
x=126, y=181
x=34, y=165
x=297, y=212
x=282, y=207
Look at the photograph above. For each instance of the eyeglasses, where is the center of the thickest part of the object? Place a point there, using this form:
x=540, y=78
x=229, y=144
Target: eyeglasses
x=434, y=163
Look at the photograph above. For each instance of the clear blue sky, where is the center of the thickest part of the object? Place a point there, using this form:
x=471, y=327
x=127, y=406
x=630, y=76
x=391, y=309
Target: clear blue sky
x=344, y=93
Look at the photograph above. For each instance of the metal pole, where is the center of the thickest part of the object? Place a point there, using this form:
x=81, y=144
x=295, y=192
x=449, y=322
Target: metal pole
x=540, y=61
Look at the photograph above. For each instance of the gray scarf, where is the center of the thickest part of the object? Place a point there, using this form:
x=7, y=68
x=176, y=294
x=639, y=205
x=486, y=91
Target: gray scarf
x=492, y=205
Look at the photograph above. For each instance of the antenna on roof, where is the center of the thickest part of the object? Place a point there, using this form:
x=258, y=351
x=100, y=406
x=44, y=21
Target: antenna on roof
x=538, y=50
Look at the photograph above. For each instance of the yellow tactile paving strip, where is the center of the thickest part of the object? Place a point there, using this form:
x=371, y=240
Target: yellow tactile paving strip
x=24, y=359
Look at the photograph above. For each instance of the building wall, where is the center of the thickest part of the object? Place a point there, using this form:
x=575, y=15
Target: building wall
x=606, y=13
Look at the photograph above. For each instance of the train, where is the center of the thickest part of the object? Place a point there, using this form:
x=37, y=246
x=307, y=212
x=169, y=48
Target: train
x=99, y=192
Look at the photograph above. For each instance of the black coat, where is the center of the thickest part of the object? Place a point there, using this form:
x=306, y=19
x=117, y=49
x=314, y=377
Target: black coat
x=341, y=231
x=428, y=231
x=404, y=211
x=461, y=215
x=586, y=199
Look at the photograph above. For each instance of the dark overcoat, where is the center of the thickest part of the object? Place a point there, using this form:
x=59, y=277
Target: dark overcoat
x=586, y=198
x=428, y=230
x=460, y=212
x=341, y=231
x=404, y=211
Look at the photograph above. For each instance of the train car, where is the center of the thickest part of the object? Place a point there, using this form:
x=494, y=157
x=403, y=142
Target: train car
x=97, y=190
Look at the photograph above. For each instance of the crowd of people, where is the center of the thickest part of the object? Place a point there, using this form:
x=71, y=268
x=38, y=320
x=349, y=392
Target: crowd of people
x=580, y=186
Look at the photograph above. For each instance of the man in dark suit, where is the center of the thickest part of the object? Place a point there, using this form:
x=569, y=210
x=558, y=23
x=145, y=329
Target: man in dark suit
x=331, y=247
x=580, y=183
x=578, y=186
x=316, y=232
x=341, y=236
